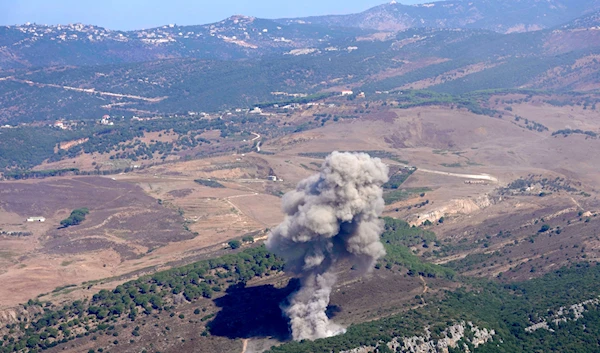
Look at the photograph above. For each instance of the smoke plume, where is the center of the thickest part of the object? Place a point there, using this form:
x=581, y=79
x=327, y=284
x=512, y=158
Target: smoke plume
x=331, y=216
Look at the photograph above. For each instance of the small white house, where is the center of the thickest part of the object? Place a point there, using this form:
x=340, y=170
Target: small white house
x=36, y=219
x=347, y=93
x=106, y=120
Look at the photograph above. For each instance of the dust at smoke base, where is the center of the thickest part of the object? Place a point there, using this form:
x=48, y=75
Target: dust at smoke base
x=331, y=216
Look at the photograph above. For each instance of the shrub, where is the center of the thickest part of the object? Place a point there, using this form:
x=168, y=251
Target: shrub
x=234, y=244
x=544, y=228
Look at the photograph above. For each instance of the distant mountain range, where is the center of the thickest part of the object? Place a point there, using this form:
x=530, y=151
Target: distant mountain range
x=504, y=16
x=237, y=37
x=79, y=71
x=240, y=37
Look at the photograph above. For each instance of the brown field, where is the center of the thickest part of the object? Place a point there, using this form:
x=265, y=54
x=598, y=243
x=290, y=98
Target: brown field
x=136, y=221
x=123, y=225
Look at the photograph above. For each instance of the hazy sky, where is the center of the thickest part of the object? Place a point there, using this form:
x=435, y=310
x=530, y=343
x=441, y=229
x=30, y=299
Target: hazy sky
x=138, y=14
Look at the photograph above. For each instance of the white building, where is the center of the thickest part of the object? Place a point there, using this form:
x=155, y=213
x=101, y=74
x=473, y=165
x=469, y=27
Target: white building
x=106, y=120
x=36, y=219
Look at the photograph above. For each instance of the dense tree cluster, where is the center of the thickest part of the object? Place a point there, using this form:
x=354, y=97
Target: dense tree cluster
x=76, y=217
x=210, y=183
x=566, y=132
x=28, y=174
x=398, y=238
x=398, y=178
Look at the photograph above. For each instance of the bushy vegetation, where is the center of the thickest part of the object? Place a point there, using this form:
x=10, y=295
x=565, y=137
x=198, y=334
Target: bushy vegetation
x=566, y=132
x=76, y=217
x=234, y=244
x=531, y=125
x=121, y=141
x=525, y=185
x=398, y=178
x=25, y=147
x=28, y=174
x=210, y=183
x=506, y=309
x=395, y=195
x=398, y=238
x=419, y=98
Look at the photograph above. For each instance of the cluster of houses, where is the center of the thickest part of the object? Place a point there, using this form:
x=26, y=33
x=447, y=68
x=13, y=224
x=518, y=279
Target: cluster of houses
x=350, y=93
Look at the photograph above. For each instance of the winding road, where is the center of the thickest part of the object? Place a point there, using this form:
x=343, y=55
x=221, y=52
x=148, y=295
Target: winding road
x=256, y=138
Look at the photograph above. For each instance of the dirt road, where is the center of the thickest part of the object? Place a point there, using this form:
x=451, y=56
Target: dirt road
x=256, y=138
x=466, y=176
x=88, y=90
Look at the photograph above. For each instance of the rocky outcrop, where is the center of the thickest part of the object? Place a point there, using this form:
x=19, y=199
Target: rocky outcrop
x=452, y=337
x=454, y=207
x=564, y=314
x=11, y=316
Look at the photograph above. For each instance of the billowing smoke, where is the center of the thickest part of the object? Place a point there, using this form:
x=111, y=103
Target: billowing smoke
x=331, y=216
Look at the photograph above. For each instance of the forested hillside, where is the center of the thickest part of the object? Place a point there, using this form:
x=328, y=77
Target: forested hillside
x=452, y=61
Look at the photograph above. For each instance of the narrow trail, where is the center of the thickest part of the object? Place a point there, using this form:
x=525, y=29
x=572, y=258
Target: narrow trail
x=241, y=213
x=256, y=138
x=243, y=195
x=425, y=288
x=576, y=203
x=244, y=345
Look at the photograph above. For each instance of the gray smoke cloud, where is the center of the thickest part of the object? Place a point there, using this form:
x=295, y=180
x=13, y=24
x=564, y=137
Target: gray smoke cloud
x=331, y=216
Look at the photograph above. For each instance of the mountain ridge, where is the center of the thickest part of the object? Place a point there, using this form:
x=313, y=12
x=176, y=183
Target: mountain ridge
x=244, y=37
x=525, y=15
x=237, y=37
